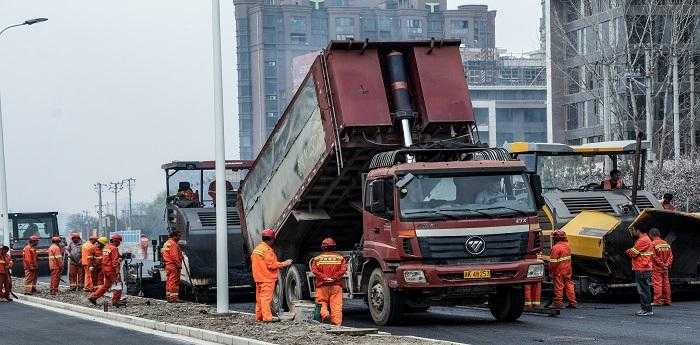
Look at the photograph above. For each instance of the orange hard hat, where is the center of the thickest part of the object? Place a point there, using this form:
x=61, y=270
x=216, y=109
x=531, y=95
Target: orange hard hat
x=55, y=239
x=268, y=233
x=116, y=237
x=558, y=235
x=34, y=238
x=328, y=243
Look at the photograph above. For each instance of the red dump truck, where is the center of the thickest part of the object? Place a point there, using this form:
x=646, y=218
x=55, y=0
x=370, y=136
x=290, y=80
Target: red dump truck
x=378, y=149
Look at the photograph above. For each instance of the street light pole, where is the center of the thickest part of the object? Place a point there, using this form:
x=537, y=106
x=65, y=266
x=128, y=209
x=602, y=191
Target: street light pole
x=220, y=166
x=4, y=219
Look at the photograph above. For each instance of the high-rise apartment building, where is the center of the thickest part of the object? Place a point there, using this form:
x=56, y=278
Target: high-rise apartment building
x=272, y=33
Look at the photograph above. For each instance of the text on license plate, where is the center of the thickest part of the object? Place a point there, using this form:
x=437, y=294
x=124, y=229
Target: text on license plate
x=479, y=274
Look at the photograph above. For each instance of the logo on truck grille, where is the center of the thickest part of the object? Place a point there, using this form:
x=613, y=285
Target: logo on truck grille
x=475, y=245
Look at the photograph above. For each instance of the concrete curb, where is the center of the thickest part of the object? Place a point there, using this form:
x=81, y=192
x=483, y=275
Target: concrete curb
x=196, y=333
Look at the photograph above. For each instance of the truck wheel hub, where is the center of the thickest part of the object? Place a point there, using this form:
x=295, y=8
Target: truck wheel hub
x=377, y=297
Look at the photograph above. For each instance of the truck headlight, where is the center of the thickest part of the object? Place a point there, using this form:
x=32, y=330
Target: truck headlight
x=416, y=276
x=535, y=271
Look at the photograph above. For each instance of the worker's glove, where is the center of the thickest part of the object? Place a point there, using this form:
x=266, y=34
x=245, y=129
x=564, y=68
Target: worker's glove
x=91, y=268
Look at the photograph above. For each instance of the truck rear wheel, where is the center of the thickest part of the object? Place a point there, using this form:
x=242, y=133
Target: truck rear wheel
x=295, y=285
x=507, y=303
x=384, y=303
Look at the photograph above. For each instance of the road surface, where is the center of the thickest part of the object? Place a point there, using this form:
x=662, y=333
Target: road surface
x=593, y=323
x=25, y=325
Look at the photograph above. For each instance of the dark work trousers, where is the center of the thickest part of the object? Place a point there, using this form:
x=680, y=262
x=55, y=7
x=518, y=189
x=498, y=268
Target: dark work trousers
x=643, y=280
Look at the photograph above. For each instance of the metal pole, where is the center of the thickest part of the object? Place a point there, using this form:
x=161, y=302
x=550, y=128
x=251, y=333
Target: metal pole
x=4, y=219
x=649, y=105
x=129, y=184
x=100, y=230
x=116, y=215
x=606, y=103
x=692, y=106
x=676, y=111
x=221, y=233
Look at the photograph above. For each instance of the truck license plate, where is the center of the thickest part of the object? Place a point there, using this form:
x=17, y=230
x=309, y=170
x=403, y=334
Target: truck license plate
x=480, y=274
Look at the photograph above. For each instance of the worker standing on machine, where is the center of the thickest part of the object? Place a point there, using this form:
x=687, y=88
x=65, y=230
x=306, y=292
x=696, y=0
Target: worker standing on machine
x=86, y=256
x=31, y=268
x=110, y=271
x=329, y=268
x=55, y=264
x=75, y=268
x=641, y=255
x=5, y=270
x=661, y=263
x=560, y=269
x=265, y=268
x=172, y=257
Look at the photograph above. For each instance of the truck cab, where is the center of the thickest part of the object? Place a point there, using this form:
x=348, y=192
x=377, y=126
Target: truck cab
x=24, y=225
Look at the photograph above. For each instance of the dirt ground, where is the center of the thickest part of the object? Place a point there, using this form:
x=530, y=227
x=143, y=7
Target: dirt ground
x=204, y=316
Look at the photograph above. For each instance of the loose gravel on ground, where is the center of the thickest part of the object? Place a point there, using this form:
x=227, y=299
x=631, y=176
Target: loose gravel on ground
x=205, y=317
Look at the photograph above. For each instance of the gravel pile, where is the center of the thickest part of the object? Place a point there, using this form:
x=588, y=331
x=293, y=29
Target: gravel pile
x=204, y=316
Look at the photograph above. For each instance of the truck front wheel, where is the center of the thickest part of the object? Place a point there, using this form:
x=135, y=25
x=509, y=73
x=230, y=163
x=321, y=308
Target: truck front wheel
x=507, y=303
x=384, y=303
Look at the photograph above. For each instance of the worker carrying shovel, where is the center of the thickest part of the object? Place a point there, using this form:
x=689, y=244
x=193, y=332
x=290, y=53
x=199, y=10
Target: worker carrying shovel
x=5, y=273
x=265, y=268
x=172, y=257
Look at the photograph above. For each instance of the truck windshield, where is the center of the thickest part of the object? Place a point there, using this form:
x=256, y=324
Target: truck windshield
x=465, y=196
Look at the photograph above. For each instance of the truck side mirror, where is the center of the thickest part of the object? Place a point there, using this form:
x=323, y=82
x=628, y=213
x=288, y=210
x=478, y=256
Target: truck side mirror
x=377, y=204
x=536, y=185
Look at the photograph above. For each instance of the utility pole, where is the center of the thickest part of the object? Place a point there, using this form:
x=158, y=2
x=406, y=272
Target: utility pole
x=98, y=188
x=606, y=103
x=116, y=187
x=676, y=111
x=649, y=104
x=85, y=231
x=692, y=106
x=129, y=183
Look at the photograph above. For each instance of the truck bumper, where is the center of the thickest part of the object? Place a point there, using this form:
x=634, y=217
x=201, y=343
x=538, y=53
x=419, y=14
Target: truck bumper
x=440, y=277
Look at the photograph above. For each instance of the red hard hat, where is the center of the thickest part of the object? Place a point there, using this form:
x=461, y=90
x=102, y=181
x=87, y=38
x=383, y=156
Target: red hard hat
x=328, y=242
x=558, y=235
x=34, y=238
x=116, y=237
x=268, y=233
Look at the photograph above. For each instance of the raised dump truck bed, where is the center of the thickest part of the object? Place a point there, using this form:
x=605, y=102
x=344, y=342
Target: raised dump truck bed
x=310, y=167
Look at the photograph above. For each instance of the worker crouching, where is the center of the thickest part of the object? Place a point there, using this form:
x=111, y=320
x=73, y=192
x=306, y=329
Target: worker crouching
x=560, y=269
x=55, y=264
x=172, y=257
x=328, y=269
x=31, y=267
x=265, y=268
x=5, y=270
x=110, y=271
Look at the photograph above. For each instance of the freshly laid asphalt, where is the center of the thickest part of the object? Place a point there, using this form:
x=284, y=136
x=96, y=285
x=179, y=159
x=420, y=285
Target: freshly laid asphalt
x=26, y=325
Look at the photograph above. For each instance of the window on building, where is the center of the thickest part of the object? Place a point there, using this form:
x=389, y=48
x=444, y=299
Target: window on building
x=297, y=38
x=432, y=7
x=271, y=97
x=574, y=80
x=344, y=21
x=414, y=26
x=343, y=37
x=574, y=142
x=406, y=4
x=345, y=26
x=385, y=24
x=460, y=26
x=535, y=116
x=435, y=26
x=297, y=24
x=572, y=116
x=481, y=116
x=476, y=33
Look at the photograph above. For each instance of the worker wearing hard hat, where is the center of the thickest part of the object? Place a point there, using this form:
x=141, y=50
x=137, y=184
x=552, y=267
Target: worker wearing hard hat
x=31, y=267
x=110, y=271
x=560, y=269
x=329, y=268
x=660, y=264
x=614, y=182
x=75, y=268
x=641, y=254
x=97, y=276
x=5, y=268
x=55, y=264
x=265, y=267
x=86, y=257
x=172, y=257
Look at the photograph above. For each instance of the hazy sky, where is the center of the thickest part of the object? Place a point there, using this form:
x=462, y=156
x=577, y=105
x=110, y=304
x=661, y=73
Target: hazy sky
x=112, y=89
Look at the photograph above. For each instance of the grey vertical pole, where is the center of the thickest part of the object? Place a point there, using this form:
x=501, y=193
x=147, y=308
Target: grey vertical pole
x=649, y=105
x=221, y=222
x=4, y=218
x=692, y=106
x=676, y=111
x=100, y=229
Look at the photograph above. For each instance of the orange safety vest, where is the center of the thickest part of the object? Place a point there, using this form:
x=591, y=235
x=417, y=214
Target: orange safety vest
x=55, y=257
x=172, y=255
x=264, y=264
x=29, y=257
x=328, y=269
x=86, y=255
x=641, y=254
x=5, y=264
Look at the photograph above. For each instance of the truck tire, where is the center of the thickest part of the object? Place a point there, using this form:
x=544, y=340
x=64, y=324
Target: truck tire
x=295, y=285
x=507, y=303
x=385, y=304
x=277, y=305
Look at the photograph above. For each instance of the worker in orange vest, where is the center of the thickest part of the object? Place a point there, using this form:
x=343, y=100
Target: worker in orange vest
x=172, y=257
x=5, y=270
x=55, y=264
x=560, y=269
x=86, y=256
x=660, y=263
x=329, y=268
x=31, y=266
x=265, y=267
x=75, y=269
x=96, y=263
x=110, y=271
x=641, y=254
x=614, y=182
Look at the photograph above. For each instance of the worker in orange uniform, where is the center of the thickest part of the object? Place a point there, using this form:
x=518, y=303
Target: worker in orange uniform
x=172, y=257
x=97, y=276
x=265, y=267
x=329, y=268
x=641, y=255
x=110, y=271
x=614, y=182
x=75, y=268
x=5, y=278
x=86, y=256
x=660, y=264
x=31, y=266
x=55, y=264
x=560, y=270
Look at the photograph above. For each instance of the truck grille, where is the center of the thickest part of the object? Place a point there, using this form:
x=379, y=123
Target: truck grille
x=593, y=203
x=644, y=202
x=209, y=218
x=499, y=248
